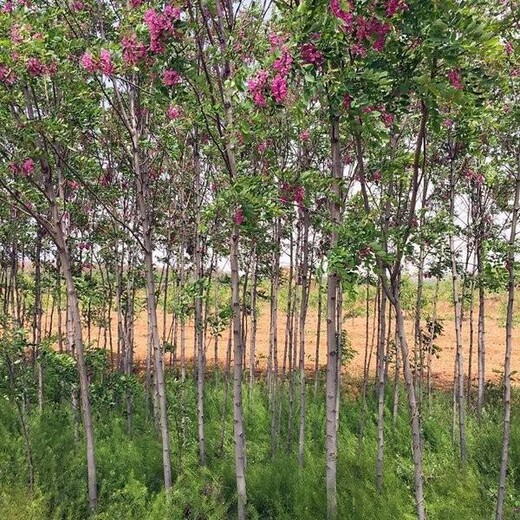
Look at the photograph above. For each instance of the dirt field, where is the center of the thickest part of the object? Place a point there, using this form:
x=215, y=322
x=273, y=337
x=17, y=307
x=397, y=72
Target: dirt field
x=355, y=327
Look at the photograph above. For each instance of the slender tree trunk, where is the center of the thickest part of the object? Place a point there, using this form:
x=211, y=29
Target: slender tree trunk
x=414, y=410
x=303, y=319
x=332, y=332
x=459, y=365
x=380, y=391
x=509, y=348
x=239, y=434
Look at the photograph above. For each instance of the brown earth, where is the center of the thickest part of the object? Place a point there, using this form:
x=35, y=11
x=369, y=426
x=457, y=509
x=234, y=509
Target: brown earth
x=355, y=327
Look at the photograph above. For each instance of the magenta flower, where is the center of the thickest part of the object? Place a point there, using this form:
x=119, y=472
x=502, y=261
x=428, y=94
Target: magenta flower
x=311, y=55
x=133, y=50
x=239, y=217
x=387, y=118
x=282, y=65
x=338, y=12
x=262, y=147
x=35, y=67
x=171, y=78
x=77, y=5
x=7, y=76
x=305, y=135
x=395, y=6
x=105, y=63
x=27, y=167
x=16, y=37
x=455, y=78
x=88, y=62
x=7, y=7
x=299, y=195
x=174, y=112
x=448, y=123
x=277, y=40
x=136, y=3
x=279, y=88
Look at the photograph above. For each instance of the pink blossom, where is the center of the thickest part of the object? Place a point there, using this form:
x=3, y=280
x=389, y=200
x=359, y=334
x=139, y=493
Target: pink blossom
x=172, y=13
x=7, y=7
x=358, y=50
x=282, y=65
x=256, y=85
x=508, y=47
x=171, y=78
x=259, y=99
x=310, y=54
x=455, y=78
x=279, y=88
x=305, y=135
x=387, y=118
x=105, y=62
x=7, y=76
x=395, y=6
x=73, y=185
x=16, y=37
x=239, y=217
x=35, y=67
x=88, y=62
x=160, y=26
x=77, y=5
x=262, y=147
x=338, y=12
x=277, y=40
x=14, y=168
x=299, y=195
x=136, y=3
x=174, y=112
x=448, y=123
x=27, y=167
x=133, y=50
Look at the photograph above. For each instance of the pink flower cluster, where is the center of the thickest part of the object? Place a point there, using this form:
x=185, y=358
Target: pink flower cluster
x=345, y=16
x=134, y=51
x=386, y=117
x=256, y=85
x=311, y=55
x=282, y=65
x=102, y=64
x=171, y=78
x=174, y=112
x=239, y=217
x=508, y=47
x=77, y=5
x=279, y=88
x=8, y=7
x=371, y=30
x=24, y=169
x=474, y=177
x=455, y=78
x=7, y=76
x=292, y=193
x=161, y=26
x=277, y=40
x=37, y=68
x=304, y=135
x=395, y=6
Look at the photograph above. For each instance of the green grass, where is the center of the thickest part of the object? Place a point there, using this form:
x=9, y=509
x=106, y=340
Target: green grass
x=130, y=471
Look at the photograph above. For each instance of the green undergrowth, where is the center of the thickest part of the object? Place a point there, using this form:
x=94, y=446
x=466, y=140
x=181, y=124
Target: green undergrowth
x=129, y=463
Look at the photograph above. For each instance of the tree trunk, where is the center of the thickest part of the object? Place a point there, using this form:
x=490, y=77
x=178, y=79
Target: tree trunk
x=507, y=360
x=239, y=435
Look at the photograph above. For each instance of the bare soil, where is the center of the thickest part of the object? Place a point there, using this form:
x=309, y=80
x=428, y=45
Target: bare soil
x=442, y=367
